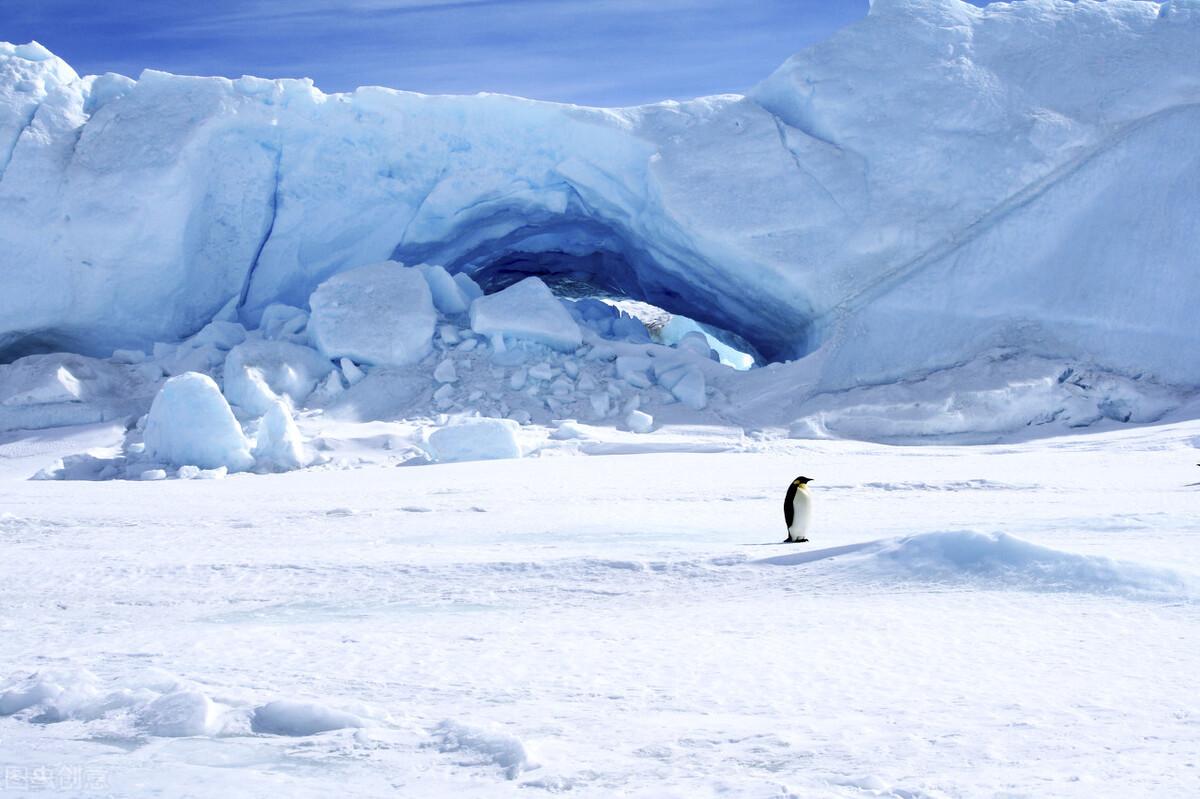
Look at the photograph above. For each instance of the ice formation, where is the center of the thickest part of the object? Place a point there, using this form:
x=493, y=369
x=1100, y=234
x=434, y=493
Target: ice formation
x=475, y=440
x=949, y=242
x=527, y=311
x=190, y=423
x=378, y=314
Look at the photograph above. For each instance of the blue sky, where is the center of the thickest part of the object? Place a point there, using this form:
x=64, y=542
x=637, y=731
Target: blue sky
x=599, y=52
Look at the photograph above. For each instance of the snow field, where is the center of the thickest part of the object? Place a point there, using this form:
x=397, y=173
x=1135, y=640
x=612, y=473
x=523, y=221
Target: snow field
x=630, y=626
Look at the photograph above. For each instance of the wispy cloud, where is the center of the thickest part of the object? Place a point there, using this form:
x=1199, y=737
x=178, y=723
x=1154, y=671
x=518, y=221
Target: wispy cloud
x=604, y=52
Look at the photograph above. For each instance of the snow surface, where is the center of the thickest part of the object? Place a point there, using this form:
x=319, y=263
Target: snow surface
x=530, y=541
x=1014, y=619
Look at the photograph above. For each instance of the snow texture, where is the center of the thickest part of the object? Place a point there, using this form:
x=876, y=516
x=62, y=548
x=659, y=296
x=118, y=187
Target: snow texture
x=1008, y=619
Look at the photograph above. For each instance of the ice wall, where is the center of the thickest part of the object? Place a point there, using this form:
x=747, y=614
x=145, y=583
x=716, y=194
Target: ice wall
x=930, y=181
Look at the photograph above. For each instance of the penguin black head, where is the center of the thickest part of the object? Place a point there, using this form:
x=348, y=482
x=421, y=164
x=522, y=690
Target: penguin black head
x=802, y=481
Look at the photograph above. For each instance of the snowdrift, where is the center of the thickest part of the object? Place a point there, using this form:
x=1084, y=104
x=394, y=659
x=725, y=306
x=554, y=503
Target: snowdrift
x=935, y=190
x=998, y=561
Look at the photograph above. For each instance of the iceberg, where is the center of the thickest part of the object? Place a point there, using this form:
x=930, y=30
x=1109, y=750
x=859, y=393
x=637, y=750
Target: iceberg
x=894, y=201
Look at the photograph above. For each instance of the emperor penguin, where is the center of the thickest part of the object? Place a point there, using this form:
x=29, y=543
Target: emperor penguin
x=797, y=510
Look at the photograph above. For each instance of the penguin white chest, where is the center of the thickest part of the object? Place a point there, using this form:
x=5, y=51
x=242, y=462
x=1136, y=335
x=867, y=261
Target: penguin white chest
x=801, y=513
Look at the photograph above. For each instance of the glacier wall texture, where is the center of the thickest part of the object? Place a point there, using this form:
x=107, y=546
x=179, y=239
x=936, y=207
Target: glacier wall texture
x=934, y=181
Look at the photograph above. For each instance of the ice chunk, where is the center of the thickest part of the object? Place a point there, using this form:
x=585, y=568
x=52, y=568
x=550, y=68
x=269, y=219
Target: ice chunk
x=377, y=314
x=222, y=335
x=445, y=372
x=542, y=371
x=687, y=384
x=527, y=310
x=190, y=422
x=188, y=472
x=180, y=714
x=632, y=369
x=289, y=717
x=278, y=446
x=475, y=439
x=351, y=371
x=128, y=356
x=257, y=373
x=469, y=288
x=695, y=342
x=690, y=389
x=601, y=404
x=448, y=295
x=443, y=398
x=500, y=747
x=153, y=474
x=281, y=321
x=639, y=422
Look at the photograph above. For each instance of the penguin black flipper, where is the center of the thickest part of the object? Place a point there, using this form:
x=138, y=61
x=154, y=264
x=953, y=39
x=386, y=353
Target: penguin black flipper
x=789, y=513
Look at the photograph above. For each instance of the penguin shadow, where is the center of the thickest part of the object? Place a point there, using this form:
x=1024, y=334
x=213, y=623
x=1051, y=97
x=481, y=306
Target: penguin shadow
x=776, y=543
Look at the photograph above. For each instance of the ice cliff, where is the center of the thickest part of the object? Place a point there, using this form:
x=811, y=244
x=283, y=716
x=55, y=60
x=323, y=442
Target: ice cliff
x=933, y=182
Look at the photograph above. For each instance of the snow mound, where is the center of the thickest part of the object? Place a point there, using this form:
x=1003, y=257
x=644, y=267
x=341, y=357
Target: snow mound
x=278, y=445
x=294, y=718
x=526, y=311
x=999, y=560
x=382, y=313
x=190, y=423
x=488, y=744
x=475, y=439
x=181, y=714
x=51, y=695
x=40, y=391
x=258, y=373
x=159, y=704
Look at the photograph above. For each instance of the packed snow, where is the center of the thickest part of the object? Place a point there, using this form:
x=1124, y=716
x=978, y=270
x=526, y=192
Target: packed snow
x=968, y=621
x=385, y=444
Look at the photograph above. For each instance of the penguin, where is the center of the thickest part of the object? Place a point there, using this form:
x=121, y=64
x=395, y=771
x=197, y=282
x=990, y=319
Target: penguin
x=797, y=509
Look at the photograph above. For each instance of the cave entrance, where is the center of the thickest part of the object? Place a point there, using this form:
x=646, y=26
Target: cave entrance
x=608, y=277
x=579, y=251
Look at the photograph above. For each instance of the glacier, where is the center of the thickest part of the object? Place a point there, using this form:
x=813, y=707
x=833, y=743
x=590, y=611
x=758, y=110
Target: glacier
x=933, y=190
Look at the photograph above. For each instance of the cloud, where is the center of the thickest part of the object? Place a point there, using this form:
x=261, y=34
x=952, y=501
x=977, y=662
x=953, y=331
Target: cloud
x=590, y=51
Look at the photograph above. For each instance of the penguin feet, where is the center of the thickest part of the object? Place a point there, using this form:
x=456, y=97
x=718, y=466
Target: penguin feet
x=795, y=540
